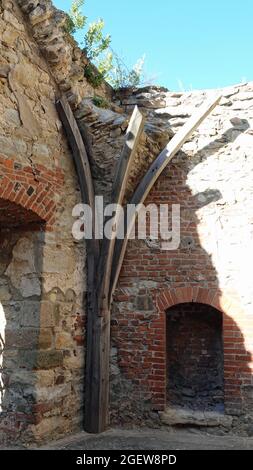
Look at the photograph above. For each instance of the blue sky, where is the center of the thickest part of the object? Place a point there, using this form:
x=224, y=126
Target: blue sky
x=189, y=44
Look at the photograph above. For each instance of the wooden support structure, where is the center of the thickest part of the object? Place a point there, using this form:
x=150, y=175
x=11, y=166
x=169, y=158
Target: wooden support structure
x=93, y=327
x=125, y=162
x=133, y=135
x=104, y=264
x=99, y=266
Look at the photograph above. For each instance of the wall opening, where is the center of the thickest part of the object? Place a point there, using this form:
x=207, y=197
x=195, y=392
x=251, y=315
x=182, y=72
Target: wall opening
x=195, y=359
x=21, y=256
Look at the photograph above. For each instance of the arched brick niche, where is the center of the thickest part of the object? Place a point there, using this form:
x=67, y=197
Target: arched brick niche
x=28, y=198
x=237, y=337
x=195, y=357
x=28, y=195
x=21, y=266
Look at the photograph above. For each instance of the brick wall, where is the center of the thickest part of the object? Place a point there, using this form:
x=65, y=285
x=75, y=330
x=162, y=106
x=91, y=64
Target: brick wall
x=210, y=180
x=195, y=363
x=32, y=190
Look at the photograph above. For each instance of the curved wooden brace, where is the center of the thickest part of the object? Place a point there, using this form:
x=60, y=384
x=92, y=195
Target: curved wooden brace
x=93, y=330
x=134, y=131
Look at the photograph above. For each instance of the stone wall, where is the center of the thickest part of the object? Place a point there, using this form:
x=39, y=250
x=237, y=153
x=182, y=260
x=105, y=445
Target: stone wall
x=43, y=278
x=211, y=178
x=105, y=130
x=42, y=269
x=65, y=58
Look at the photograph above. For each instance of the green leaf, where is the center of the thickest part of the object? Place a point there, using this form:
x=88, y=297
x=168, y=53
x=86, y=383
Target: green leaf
x=76, y=20
x=109, y=65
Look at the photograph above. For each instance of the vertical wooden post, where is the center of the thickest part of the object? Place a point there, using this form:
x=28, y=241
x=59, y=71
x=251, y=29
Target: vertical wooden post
x=98, y=357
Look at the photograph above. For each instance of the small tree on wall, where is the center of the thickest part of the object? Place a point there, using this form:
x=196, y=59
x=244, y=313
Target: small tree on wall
x=109, y=65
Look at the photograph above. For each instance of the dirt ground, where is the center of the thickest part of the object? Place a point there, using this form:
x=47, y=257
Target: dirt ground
x=152, y=439
x=148, y=439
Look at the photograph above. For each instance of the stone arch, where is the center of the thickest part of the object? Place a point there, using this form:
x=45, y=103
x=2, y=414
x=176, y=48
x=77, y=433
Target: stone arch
x=28, y=197
x=21, y=267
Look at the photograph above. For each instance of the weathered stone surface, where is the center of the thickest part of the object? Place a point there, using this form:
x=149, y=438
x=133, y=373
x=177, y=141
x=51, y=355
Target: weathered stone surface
x=7, y=146
x=63, y=341
x=22, y=270
x=45, y=338
x=12, y=117
x=35, y=159
x=27, y=117
x=144, y=303
x=4, y=70
x=181, y=416
x=12, y=19
x=60, y=50
x=48, y=359
x=5, y=293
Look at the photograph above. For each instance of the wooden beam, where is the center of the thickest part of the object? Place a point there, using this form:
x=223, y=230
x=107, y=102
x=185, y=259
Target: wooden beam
x=101, y=383
x=79, y=152
x=153, y=174
x=93, y=330
x=133, y=135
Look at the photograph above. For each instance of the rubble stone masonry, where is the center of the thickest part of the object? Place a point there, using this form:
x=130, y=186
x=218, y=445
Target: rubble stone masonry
x=43, y=269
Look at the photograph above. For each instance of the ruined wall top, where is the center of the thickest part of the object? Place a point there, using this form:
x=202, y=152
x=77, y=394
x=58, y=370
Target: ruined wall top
x=104, y=129
x=64, y=56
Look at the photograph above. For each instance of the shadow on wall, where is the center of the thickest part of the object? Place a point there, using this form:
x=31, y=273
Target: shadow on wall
x=21, y=337
x=153, y=277
x=229, y=136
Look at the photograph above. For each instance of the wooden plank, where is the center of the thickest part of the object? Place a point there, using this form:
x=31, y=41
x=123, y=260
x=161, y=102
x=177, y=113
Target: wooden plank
x=153, y=174
x=133, y=135
x=79, y=152
x=101, y=353
x=93, y=330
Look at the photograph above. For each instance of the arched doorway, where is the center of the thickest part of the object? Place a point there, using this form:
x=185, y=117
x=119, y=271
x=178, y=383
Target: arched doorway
x=195, y=359
x=21, y=258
